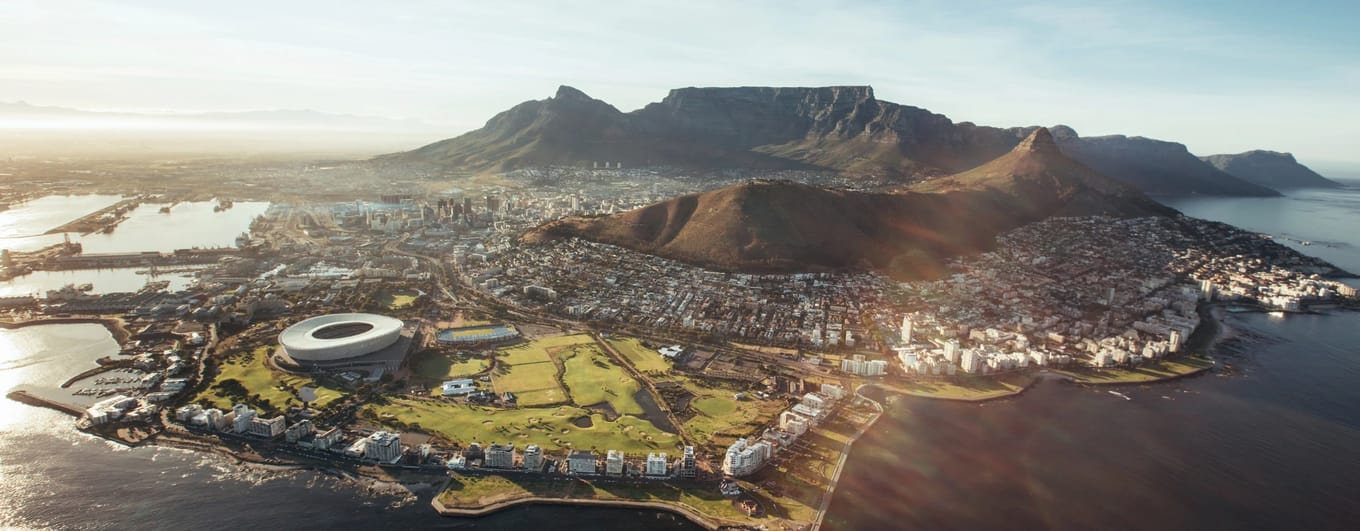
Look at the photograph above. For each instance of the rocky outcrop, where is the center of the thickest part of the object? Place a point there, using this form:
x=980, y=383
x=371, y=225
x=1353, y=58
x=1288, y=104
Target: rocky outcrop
x=1270, y=168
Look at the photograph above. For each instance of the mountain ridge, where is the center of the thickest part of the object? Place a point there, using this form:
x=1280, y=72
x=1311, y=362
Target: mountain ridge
x=782, y=226
x=837, y=128
x=1270, y=168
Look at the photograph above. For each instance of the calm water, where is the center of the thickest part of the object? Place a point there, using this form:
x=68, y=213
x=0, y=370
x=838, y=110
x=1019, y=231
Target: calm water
x=187, y=225
x=120, y=280
x=1276, y=445
x=22, y=226
x=1328, y=218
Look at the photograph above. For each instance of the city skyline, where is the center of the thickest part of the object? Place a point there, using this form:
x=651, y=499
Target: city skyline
x=1219, y=79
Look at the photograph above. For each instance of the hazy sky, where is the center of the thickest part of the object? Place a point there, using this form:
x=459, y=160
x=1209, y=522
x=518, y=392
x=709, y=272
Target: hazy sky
x=1219, y=76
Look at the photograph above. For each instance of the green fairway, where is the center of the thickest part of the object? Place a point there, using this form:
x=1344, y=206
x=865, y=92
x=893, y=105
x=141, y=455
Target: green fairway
x=249, y=369
x=529, y=370
x=715, y=406
x=643, y=358
x=438, y=366
x=551, y=428
x=592, y=377
x=719, y=418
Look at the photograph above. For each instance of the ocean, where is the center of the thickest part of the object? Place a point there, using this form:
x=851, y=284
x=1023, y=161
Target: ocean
x=1271, y=442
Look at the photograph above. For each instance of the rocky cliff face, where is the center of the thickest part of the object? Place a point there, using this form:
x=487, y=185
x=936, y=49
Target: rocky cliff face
x=844, y=129
x=1270, y=168
x=1156, y=167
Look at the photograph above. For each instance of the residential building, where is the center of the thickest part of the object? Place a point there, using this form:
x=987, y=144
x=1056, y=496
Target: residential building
x=533, y=458
x=656, y=464
x=500, y=456
x=689, y=465
x=383, y=447
x=581, y=462
x=745, y=457
x=794, y=423
x=298, y=430
x=243, y=415
x=269, y=428
x=613, y=463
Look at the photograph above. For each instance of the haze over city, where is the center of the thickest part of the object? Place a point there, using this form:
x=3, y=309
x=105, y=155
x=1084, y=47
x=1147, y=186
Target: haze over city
x=1221, y=77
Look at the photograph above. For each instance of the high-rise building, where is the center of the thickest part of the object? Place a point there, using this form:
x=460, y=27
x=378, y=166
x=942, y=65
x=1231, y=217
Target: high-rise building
x=689, y=465
x=745, y=457
x=500, y=456
x=243, y=415
x=1174, y=342
x=383, y=447
x=533, y=458
x=268, y=428
x=1206, y=289
x=793, y=423
x=613, y=463
x=951, y=351
x=656, y=464
x=906, y=331
x=581, y=462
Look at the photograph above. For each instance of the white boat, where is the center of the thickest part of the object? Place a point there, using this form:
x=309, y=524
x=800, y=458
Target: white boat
x=1120, y=395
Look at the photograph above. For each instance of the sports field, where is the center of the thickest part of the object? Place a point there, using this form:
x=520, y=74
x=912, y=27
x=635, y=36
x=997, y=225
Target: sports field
x=473, y=334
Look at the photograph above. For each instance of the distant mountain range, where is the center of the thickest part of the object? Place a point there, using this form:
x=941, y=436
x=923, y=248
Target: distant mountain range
x=845, y=129
x=1270, y=168
x=780, y=226
x=21, y=115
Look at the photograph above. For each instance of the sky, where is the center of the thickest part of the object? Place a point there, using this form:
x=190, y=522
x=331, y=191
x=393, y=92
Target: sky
x=1219, y=76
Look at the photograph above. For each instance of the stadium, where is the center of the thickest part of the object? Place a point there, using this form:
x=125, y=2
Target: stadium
x=476, y=334
x=344, y=341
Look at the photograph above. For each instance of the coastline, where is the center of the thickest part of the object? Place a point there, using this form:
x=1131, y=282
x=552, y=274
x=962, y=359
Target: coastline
x=677, y=509
x=115, y=325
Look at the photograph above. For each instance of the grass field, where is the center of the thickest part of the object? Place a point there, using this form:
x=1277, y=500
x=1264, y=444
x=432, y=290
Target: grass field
x=257, y=378
x=968, y=388
x=476, y=491
x=529, y=370
x=550, y=428
x=592, y=377
x=720, y=418
x=643, y=358
x=438, y=366
x=1148, y=372
x=396, y=300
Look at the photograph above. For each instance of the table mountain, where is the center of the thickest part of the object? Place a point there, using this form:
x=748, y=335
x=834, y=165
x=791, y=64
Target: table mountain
x=843, y=128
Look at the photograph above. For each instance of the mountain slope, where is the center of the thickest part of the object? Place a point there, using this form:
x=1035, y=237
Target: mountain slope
x=842, y=128
x=1270, y=168
x=784, y=226
x=1156, y=167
